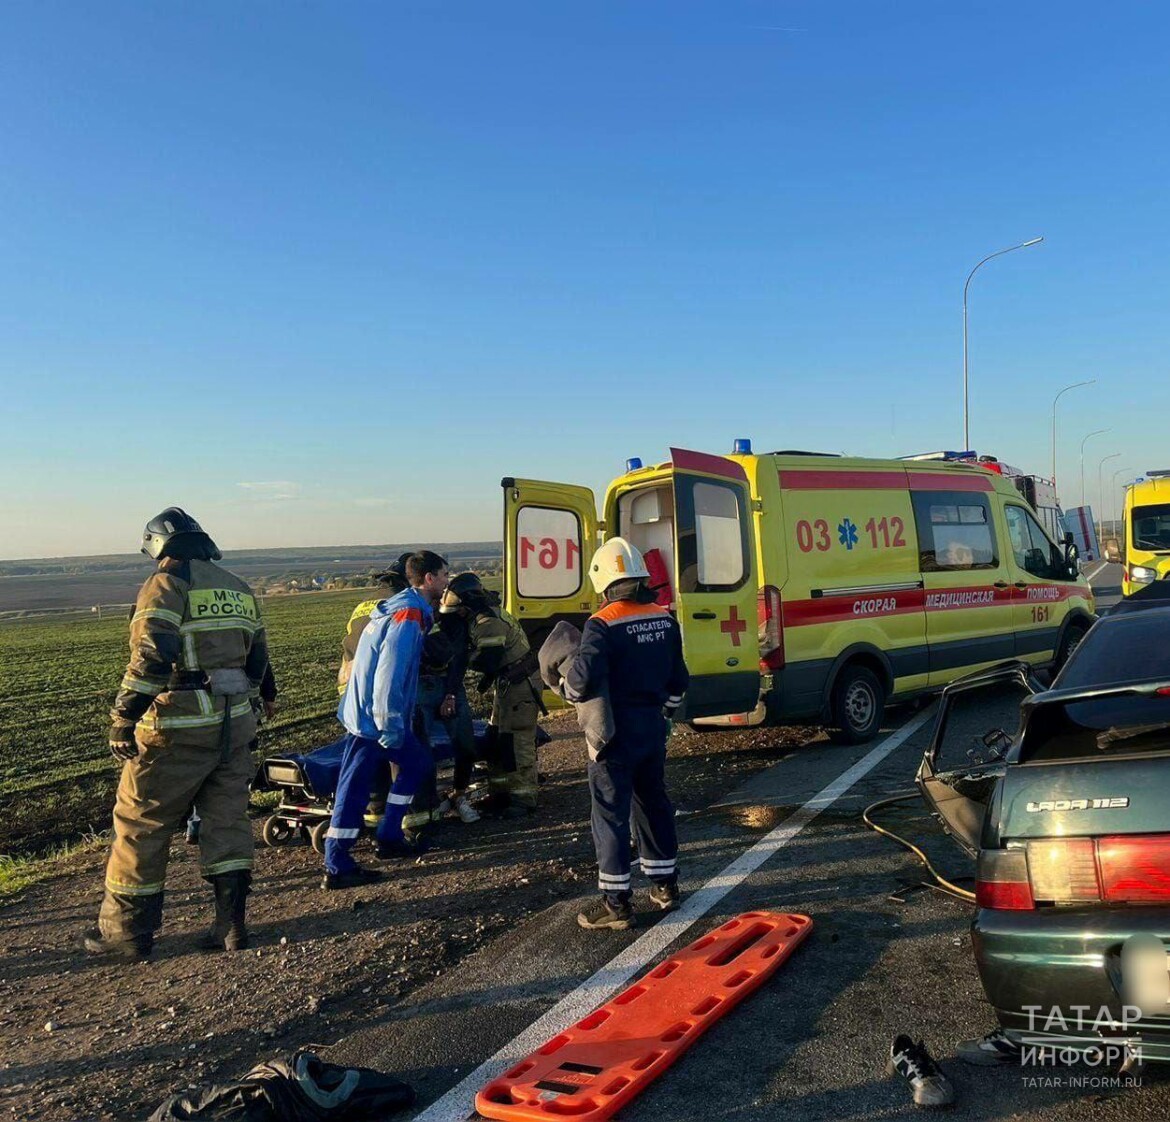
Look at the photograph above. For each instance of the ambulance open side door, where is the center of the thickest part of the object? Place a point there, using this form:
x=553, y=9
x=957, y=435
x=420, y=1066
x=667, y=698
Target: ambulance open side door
x=550, y=535
x=716, y=584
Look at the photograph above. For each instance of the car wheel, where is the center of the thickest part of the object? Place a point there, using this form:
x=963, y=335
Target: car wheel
x=856, y=705
x=1073, y=638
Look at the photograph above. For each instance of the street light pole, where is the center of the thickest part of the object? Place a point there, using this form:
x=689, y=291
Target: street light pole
x=1101, y=487
x=1074, y=386
x=997, y=253
x=1113, y=494
x=1095, y=432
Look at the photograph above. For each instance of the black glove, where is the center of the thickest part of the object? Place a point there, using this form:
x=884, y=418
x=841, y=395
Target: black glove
x=122, y=743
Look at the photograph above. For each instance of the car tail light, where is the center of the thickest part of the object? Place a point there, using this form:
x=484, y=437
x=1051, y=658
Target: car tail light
x=1063, y=870
x=771, y=618
x=1001, y=881
x=1135, y=869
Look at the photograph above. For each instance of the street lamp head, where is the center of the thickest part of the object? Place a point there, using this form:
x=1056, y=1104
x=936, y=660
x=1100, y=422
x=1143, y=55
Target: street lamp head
x=1034, y=241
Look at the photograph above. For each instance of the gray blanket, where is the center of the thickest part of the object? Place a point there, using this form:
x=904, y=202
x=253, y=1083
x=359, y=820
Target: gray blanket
x=594, y=714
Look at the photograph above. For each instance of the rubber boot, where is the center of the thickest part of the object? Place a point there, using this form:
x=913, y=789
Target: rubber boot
x=228, y=933
x=125, y=927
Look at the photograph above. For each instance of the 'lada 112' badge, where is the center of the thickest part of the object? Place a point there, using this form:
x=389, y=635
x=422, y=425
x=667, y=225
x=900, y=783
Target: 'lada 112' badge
x=1079, y=804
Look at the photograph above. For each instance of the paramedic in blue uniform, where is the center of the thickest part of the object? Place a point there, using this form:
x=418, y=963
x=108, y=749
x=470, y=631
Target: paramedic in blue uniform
x=631, y=648
x=376, y=710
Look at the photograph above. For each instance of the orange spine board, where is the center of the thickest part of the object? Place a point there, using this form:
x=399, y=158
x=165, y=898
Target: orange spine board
x=594, y=1067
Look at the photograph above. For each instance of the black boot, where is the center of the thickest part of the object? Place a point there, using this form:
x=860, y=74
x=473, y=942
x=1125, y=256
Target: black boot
x=136, y=948
x=228, y=933
x=125, y=927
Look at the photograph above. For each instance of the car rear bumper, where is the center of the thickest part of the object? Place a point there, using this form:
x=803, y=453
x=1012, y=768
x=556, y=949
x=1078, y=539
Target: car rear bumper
x=1054, y=975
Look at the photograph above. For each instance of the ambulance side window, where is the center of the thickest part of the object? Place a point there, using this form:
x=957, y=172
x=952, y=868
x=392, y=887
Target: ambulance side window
x=1033, y=552
x=955, y=531
x=712, y=535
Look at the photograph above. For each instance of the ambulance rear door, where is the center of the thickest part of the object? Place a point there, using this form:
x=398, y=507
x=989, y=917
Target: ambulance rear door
x=550, y=535
x=716, y=584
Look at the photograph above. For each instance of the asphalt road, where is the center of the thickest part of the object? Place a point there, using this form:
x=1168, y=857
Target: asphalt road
x=812, y=1043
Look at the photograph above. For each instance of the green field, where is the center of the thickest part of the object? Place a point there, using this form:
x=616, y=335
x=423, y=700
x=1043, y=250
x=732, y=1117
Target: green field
x=57, y=681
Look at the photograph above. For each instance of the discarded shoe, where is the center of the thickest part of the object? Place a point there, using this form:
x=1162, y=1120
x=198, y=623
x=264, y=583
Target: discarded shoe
x=601, y=915
x=914, y=1063
x=995, y=1049
x=413, y=845
x=356, y=878
x=664, y=896
x=136, y=949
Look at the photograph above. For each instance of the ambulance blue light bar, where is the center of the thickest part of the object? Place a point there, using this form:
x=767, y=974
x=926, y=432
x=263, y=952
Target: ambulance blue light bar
x=947, y=457
x=634, y=463
x=742, y=447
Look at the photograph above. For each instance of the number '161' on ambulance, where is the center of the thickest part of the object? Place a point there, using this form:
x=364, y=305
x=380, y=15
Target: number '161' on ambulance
x=809, y=587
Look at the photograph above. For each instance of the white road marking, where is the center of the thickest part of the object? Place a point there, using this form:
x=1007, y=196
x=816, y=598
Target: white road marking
x=457, y=1104
x=1104, y=565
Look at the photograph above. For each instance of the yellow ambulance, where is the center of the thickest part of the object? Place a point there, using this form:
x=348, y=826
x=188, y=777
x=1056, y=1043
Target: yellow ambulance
x=809, y=587
x=1146, y=545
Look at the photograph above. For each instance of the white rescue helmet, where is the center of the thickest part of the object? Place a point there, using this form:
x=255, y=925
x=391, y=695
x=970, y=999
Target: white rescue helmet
x=616, y=560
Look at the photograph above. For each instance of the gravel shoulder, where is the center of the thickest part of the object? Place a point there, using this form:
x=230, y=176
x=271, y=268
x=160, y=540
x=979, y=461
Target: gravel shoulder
x=86, y=1041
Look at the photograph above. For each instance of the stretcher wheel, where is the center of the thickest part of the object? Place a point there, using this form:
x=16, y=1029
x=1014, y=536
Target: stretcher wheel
x=278, y=831
x=317, y=835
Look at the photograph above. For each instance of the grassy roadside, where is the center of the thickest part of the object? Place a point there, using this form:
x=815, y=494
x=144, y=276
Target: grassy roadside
x=19, y=873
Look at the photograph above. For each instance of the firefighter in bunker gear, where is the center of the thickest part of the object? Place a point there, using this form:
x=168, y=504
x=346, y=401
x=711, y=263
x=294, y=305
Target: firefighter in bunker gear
x=498, y=650
x=394, y=579
x=182, y=722
x=377, y=711
x=633, y=646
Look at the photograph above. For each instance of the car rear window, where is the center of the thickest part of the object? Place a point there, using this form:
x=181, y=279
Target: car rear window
x=1108, y=726
x=1127, y=648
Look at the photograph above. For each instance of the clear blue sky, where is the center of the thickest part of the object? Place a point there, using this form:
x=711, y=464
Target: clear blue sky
x=324, y=272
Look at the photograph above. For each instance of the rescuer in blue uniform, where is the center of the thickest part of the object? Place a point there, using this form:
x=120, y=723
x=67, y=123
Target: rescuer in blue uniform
x=631, y=647
x=377, y=710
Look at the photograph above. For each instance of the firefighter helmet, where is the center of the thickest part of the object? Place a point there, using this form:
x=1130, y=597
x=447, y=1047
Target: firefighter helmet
x=614, y=561
x=464, y=590
x=174, y=533
x=395, y=574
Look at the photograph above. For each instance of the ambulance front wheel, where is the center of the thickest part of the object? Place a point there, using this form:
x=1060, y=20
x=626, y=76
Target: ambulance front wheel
x=856, y=706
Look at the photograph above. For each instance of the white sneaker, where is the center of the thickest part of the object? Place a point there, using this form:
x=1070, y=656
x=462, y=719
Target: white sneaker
x=914, y=1063
x=462, y=806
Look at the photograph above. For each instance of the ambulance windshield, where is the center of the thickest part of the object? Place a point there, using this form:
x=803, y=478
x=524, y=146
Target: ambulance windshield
x=1151, y=527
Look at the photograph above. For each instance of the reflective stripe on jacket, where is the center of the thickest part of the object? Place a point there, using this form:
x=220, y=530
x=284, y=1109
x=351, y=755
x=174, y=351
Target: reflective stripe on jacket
x=634, y=648
x=192, y=618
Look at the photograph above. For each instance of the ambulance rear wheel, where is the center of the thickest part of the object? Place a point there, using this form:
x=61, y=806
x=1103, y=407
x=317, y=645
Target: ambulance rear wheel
x=857, y=704
x=317, y=835
x=277, y=831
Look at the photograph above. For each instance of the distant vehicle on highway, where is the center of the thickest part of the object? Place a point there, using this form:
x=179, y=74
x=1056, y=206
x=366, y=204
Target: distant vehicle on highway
x=1146, y=541
x=809, y=587
x=1069, y=820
